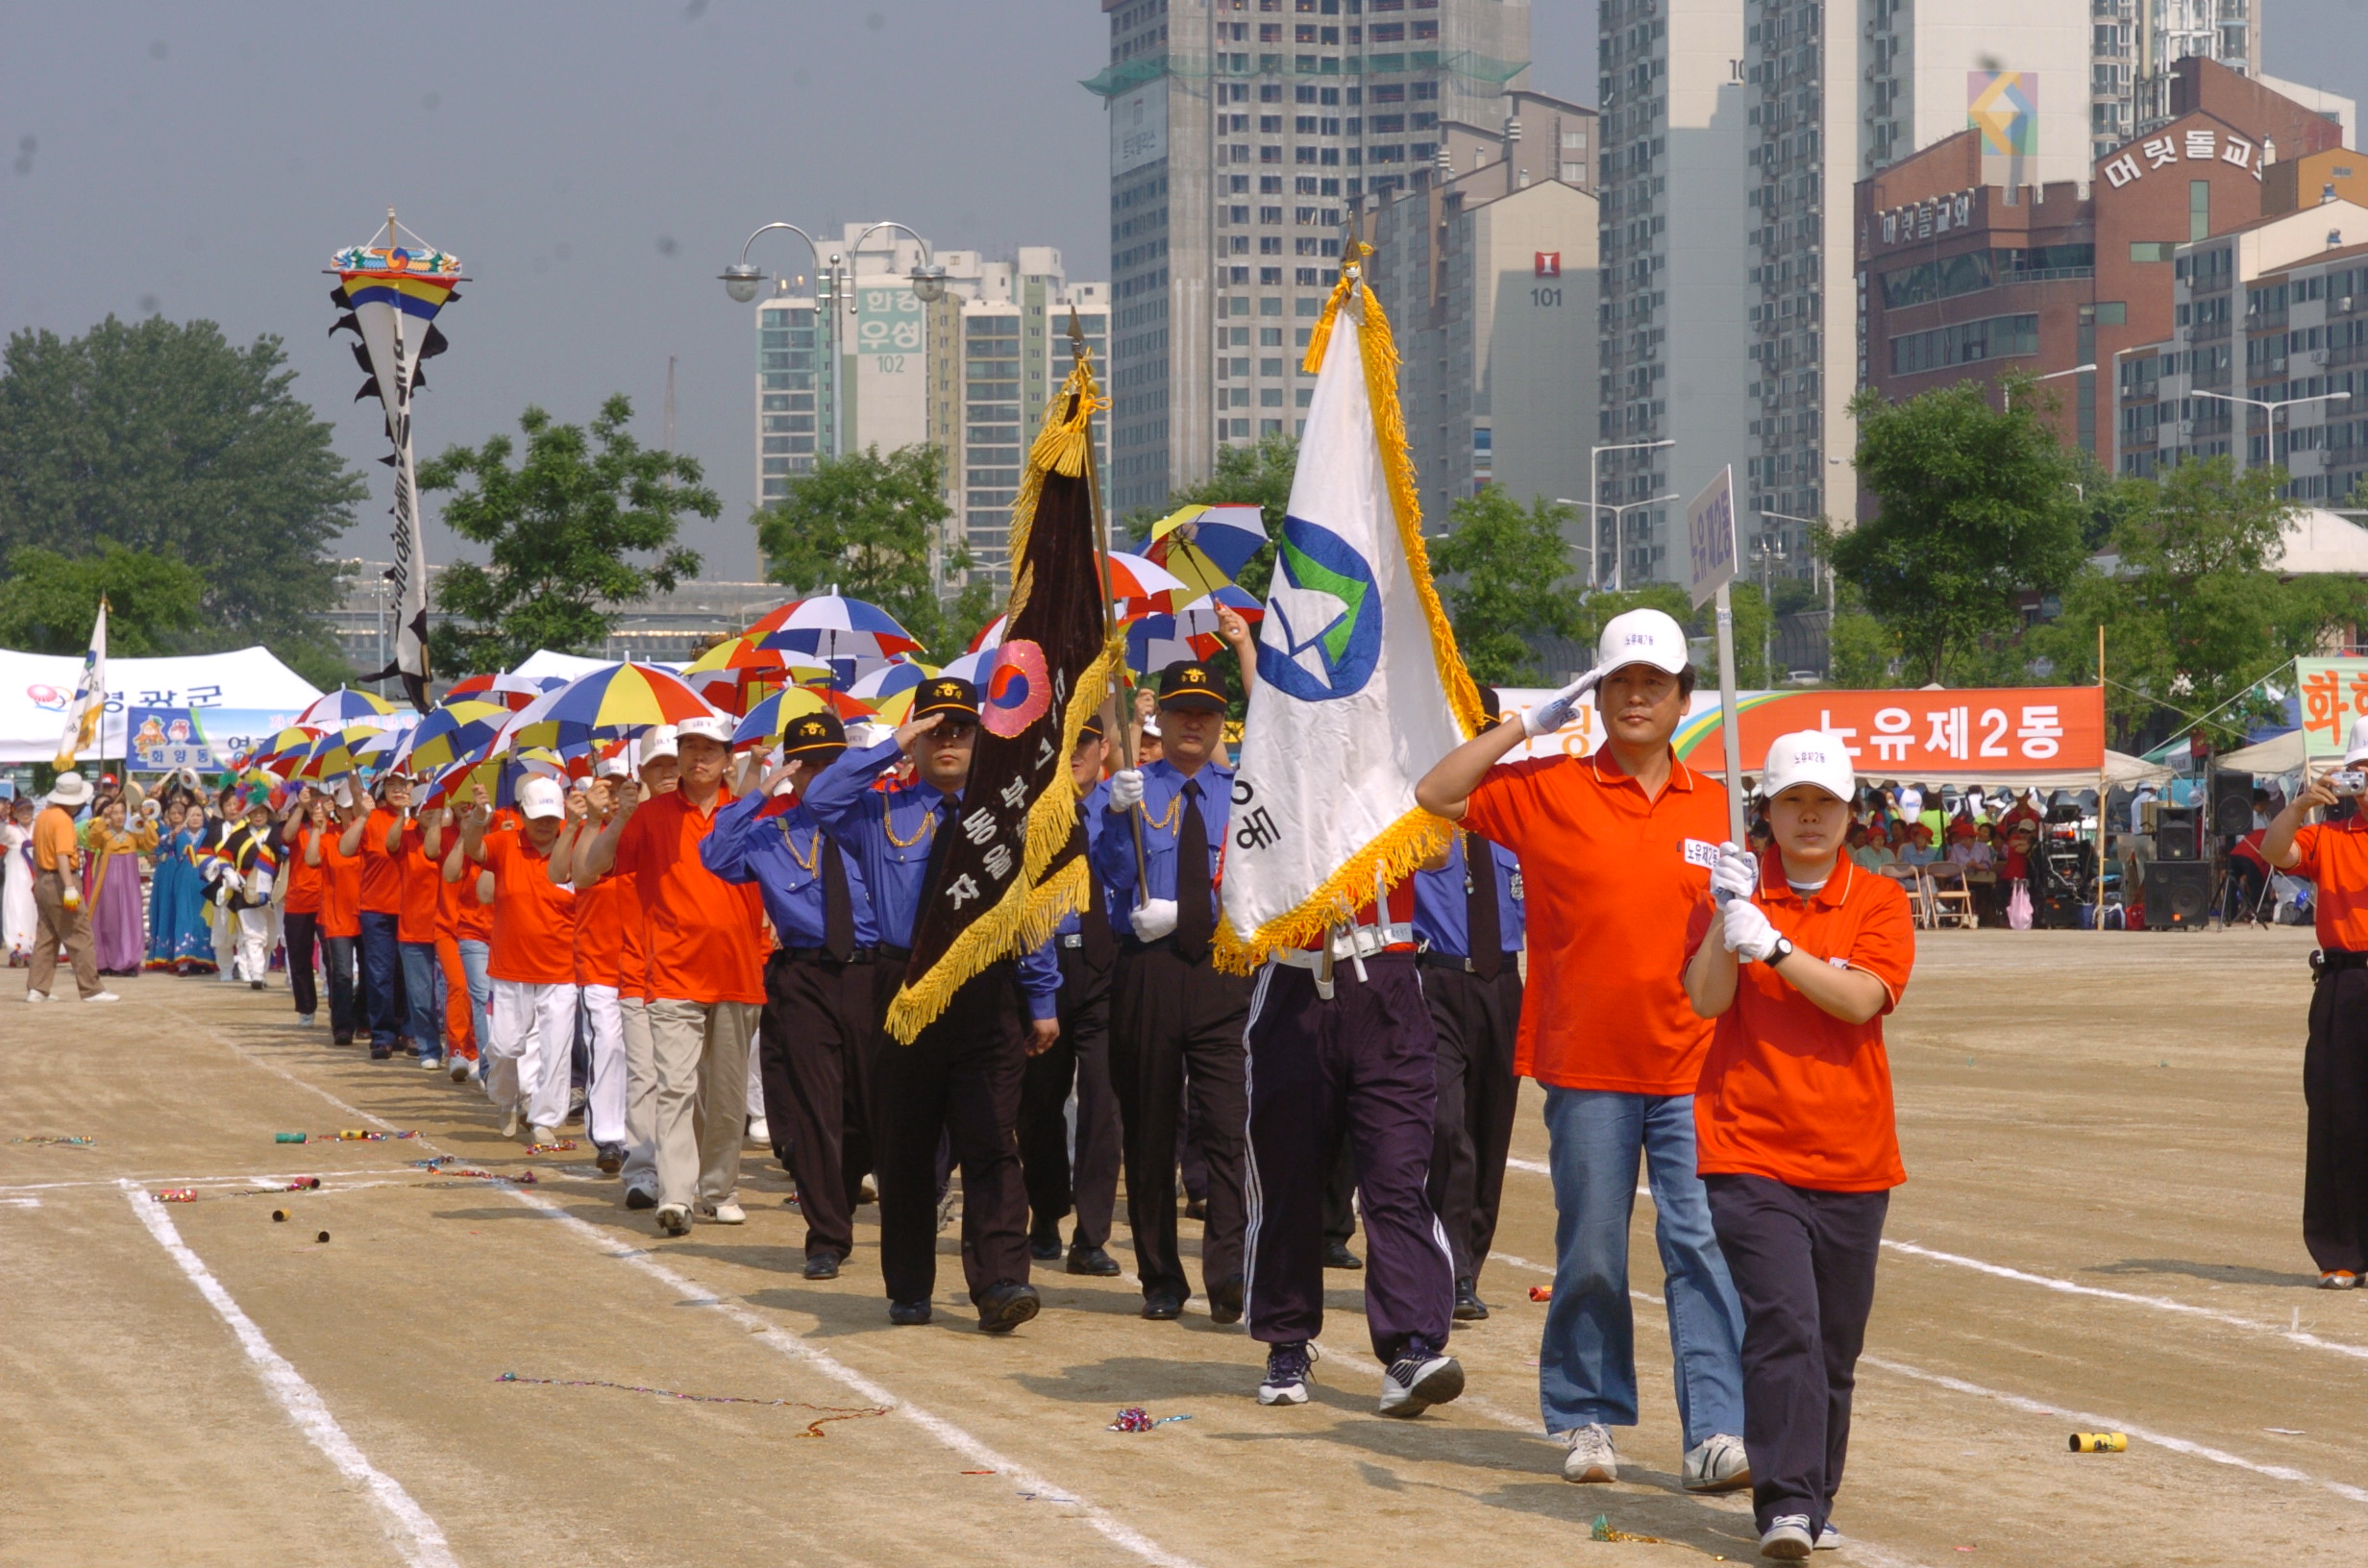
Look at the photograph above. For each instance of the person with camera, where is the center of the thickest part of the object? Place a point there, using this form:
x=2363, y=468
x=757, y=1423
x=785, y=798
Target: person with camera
x=2332, y=854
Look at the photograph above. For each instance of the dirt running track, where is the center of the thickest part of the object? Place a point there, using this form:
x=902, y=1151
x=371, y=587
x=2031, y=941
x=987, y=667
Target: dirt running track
x=2103, y=1139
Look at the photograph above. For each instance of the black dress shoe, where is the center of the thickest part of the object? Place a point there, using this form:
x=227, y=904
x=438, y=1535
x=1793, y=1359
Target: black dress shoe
x=822, y=1265
x=1163, y=1308
x=906, y=1314
x=611, y=1160
x=1006, y=1306
x=380, y=1053
x=1336, y=1255
x=1092, y=1261
x=1045, y=1249
x=640, y=1197
x=1195, y=1209
x=1225, y=1302
x=1469, y=1307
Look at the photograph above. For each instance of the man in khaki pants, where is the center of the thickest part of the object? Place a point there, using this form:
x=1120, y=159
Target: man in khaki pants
x=57, y=872
x=704, y=969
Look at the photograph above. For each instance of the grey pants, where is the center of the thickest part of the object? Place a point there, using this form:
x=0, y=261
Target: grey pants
x=700, y=1051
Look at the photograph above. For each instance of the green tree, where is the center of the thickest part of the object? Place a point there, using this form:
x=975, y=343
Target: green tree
x=165, y=439
x=1508, y=563
x=2194, y=610
x=48, y=601
x=870, y=524
x=559, y=527
x=1977, y=514
x=1260, y=474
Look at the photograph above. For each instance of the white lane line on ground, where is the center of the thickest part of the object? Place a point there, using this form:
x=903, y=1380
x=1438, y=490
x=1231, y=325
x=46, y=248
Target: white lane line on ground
x=2161, y=1303
x=2104, y=1423
x=1119, y=1533
x=2071, y=1287
x=421, y=1542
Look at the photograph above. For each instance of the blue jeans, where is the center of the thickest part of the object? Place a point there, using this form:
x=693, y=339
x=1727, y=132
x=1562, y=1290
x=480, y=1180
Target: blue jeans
x=1587, y=1366
x=423, y=991
x=382, y=965
x=475, y=955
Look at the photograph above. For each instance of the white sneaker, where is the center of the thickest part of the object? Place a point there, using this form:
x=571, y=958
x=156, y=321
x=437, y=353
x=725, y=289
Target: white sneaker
x=726, y=1213
x=509, y=1125
x=673, y=1219
x=1420, y=1378
x=1287, y=1369
x=868, y=1191
x=1717, y=1464
x=1590, y=1458
x=1829, y=1539
x=759, y=1132
x=36, y=995
x=1788, y=1538
x=459, y=1069
x=543, y=1134
x=102, y=996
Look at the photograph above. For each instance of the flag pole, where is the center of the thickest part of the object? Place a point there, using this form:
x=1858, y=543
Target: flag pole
x=1728, y=725
x=1102, y=585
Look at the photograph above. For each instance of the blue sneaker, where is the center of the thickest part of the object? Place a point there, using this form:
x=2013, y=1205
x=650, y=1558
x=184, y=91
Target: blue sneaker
x=1287, y=1368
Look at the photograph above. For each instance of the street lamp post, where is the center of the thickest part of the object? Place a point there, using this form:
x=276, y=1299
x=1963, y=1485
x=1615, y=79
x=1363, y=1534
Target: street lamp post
x=743, y=279
x=2007, y=391
x=1809, y=521
x=1620, y=535
x=1769, y=551
x=2243, y=438
x=1594, y=492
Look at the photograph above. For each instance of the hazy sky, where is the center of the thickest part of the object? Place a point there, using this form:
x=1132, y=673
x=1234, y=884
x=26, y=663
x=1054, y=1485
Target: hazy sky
x=594, y=165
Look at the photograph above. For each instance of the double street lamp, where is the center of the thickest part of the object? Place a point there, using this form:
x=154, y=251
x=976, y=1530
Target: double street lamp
x=742, y=281
x=2242, y=437
x=1594, y=500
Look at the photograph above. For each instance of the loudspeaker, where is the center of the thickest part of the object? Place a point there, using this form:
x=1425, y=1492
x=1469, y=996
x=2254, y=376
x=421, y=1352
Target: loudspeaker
x=2177, y=894
x=2231, y=803
x=2175, y=834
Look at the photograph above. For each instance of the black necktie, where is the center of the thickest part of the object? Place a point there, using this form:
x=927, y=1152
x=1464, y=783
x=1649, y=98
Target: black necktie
x=1485, y=934
x=838, y=908
x=1196, y=912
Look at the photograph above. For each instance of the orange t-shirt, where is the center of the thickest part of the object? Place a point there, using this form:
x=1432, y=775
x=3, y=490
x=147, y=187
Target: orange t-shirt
x=600, y=932
x=302, y=880
x=381, y=873
x=423, y=888
x=1609, y=879
x=533, y=918
x=340, y=888
x=1789, y=1091
x=700, y=933
x=2335, y=861
x=475, y=919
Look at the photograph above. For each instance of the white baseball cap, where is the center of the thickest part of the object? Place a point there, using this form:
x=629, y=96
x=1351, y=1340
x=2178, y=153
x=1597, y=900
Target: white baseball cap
x=2355, y=750
x=1642, y=637
x=707, y=726
x=658, y=743
x=1808, y=756
x=615, y=767
x=541, y=797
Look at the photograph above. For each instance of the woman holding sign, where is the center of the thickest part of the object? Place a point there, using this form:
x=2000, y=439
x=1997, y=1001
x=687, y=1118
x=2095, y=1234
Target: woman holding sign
x=1616, y=851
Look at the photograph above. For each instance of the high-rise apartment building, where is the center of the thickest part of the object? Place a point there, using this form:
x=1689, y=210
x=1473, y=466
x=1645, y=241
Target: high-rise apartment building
x=968, y=373
x=1244, y=135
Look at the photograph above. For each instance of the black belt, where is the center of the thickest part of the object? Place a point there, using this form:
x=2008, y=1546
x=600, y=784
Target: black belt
x=893, y=955
x=860, y=955
x=2328, y=961
x=1430, y=960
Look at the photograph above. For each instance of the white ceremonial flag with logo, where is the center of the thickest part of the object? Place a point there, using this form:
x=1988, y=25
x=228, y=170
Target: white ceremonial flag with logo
x=1360, y=689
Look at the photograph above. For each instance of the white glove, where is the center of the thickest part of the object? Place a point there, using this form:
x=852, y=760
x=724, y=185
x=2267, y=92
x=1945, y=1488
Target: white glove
x=1737, y=875
x=1555, y=711
x=1153, y=919
x=1747, y=932
x=227, y=887
x=1127, y=791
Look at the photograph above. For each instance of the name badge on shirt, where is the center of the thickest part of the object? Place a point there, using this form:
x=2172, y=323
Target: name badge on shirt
x=1699, y=853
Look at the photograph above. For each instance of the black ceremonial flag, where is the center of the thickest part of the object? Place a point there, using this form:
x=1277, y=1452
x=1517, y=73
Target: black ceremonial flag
x=1015, y=861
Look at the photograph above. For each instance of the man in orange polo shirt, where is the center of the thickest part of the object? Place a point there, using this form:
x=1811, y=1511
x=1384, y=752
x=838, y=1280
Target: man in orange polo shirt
x=704, y=969
x=2333, y=855
x=1799, y=1145
x=530, y=1051
x=300, y=907
x=1614, y=850
x=374, y=838
x=419, y=842
x=340, y=916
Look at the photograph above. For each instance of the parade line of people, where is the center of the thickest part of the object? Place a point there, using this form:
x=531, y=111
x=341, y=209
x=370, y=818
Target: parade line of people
x=718, y=943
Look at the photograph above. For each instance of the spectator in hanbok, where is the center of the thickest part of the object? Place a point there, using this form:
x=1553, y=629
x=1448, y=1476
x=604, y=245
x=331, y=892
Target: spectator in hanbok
x=17, y=909
x=113, y=844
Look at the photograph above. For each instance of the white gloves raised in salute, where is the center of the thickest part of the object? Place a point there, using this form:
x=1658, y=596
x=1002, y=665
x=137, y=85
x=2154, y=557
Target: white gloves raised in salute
x=1555, y=711
x=1127, y=794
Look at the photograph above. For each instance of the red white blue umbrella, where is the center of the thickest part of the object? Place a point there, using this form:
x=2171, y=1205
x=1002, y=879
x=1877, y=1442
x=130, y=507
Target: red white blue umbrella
x=835, y=628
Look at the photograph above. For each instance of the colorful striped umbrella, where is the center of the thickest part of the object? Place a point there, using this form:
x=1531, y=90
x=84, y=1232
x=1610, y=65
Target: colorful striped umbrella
x=345, y=706
x=766, y=720
x=729, y=673
x=622, y=699
x=1144, y=587
x=1223, y=538
x=1196, y=622
x=1153, y=642
x=897, y=676
x=451, y=732
x=835, y=628
x=281, y=754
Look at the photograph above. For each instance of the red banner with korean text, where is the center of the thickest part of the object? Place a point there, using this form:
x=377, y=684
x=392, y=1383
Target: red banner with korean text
x=2006, y=734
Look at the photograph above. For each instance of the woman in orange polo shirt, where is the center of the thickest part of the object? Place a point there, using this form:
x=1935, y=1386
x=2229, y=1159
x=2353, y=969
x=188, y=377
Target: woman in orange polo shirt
x=1793, y=1121
x=340, y=916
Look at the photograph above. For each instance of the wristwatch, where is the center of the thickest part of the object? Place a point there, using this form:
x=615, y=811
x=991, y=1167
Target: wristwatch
x=1779, y=953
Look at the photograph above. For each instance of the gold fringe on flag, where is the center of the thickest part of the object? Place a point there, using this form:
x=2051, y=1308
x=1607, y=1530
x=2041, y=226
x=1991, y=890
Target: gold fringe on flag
x=1400, y=849
x=1026, y=916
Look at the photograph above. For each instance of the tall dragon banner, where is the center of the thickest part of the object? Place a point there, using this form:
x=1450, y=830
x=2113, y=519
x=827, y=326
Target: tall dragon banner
x=391, y=293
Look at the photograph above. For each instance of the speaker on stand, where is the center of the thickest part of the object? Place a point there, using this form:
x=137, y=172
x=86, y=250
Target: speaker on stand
x=2178, y=892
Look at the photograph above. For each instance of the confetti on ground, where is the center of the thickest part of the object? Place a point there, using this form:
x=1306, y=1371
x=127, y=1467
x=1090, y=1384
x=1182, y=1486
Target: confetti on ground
x=77, y=1143
x=177, y=1195
x=561, y=1148
x=355, y=1134
x=978, y=1472
x=1542, y=1292
x=831, y=1413
x=436, y=1163
x=1603, y=1532
x=1135, y=1418
x=523, y=1178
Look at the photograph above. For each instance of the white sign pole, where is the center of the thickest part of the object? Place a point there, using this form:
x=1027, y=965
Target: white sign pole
x=1710, y=539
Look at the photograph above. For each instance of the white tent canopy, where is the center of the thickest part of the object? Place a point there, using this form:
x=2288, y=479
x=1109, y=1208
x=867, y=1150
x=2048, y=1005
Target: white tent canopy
x=238, y=698
x=2279, y=754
